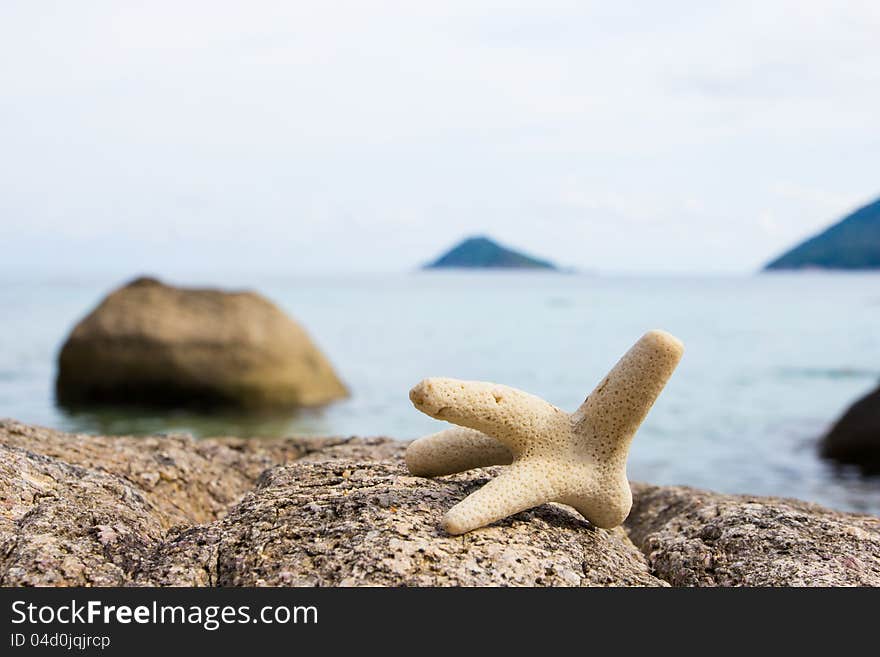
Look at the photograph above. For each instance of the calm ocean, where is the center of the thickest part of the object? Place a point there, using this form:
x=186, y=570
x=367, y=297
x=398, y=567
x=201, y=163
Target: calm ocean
x=770, y=361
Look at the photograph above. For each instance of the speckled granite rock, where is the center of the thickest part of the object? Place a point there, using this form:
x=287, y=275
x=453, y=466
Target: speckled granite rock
x=698, y=538
x=88, y=510
x=186, y=480
x=80, y=510
x=126, y=511
x=351, y=523
x=62, y=524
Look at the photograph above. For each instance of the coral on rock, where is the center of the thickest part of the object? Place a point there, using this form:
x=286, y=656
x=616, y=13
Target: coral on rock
x=577, y=459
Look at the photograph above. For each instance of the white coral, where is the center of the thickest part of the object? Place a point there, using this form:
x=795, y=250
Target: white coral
x=578, y=459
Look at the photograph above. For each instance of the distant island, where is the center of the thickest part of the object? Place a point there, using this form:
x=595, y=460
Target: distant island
x=851, y=243
x=483, y=253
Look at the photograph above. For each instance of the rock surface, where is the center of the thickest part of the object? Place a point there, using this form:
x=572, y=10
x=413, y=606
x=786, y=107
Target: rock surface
x=152, y=343
x=697, y=538
x=350, y=523
x=855, y=437
x=88, y=510
x=185, y=480
x=66, y=525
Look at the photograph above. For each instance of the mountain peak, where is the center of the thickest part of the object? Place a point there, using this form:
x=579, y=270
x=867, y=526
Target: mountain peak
x=851, y=243
x=479, y=251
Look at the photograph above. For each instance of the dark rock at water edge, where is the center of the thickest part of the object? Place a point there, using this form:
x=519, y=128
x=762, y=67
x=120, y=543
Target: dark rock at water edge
x=852, y=243
x=855, y=437
x=150, y=343
x=99, y=511
x=483, y=253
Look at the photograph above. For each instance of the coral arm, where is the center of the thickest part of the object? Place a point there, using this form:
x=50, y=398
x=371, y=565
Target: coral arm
x=454, y=450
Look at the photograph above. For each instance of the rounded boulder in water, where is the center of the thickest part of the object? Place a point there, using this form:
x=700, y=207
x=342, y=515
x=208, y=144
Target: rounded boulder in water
x=151, y=343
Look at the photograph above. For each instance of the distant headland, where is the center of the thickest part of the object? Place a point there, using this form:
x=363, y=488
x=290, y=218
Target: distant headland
x=483, y=253
x=851, y=243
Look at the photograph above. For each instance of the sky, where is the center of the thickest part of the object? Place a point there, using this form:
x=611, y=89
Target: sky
x=370, y=136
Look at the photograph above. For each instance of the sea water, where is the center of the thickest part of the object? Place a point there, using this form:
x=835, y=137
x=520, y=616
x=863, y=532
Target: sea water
x=770, y=361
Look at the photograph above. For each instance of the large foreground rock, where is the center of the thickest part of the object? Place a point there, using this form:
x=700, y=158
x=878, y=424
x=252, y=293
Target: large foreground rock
x=152, y=343
x=350, y=523
x=855, y=437
x=80, y=510
x=86, y=510
x=83, y=510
